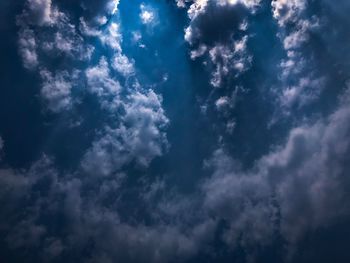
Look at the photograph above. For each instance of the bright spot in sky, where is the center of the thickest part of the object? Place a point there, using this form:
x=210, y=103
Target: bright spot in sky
x=146, y=15
x=232, y=2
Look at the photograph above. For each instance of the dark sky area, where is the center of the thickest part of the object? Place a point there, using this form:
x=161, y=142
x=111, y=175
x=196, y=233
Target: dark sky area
x=174, y=131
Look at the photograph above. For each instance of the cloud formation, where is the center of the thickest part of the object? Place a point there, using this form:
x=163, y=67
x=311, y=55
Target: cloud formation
x=126, y=198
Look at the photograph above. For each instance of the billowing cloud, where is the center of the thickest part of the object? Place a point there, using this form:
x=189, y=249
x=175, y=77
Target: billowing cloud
x=136, y=192
x=27, y=48
x=57, y=90
x=217, y=29
x=139, y=137
x=40, y=12
x=295, y=27
x=302, y=184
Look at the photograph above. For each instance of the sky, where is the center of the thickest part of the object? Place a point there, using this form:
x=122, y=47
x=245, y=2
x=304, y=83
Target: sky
x=174, y=131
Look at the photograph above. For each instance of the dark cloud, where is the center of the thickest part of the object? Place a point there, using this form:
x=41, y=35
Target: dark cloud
x=119, y=201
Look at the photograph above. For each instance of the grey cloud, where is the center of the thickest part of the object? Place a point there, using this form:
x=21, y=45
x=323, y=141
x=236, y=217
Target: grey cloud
x=27, y=48
x=299, y=186
x=306, y=177
x=45, y=193
x=300, y=83
x=140, y=136
x=46, y=33
x=103, y=85
x=217, y=33
x=214, y=23
x=40, y=12
x=57, y=90
x=123, y=65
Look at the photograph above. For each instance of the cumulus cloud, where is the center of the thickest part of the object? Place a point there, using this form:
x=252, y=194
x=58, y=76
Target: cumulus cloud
x=229, y=61
x=139, y=137
x=299, y=186
x=136, y=132
x=217, y=33
x=40, y=12
x=27, y=48
x=102, y=84
x=299, y=88
x=302, y=184
x=57, y=90
x=123, y=65
x=45, y=193
x=47, y=33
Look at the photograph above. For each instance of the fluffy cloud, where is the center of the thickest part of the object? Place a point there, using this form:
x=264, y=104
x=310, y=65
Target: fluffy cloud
x=40, y=12
x=299, y=89
x=297, y=187
x=136, y=132
x=47, y=33
x=139, y=137
x=229, y=61
x=287, y=12
x=123, y=65
x=27, y=48
x=302, y=184
x=147, y=15
x=217, y=33
x=56, y=90
x=103, y=85
x=43, y=192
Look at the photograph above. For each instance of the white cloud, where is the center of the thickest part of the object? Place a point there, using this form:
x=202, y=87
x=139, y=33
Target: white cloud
x=146, y=14
x=287, y=11
x=40, y=13
x=114, y=4
x=57, y=90
x=102, y=84
x=110, y=36
x=228, y=60
x=28, y=48
x=139, y=137
x=295, y=28
x=227, y=52
x=123, y=65
x=304, y=181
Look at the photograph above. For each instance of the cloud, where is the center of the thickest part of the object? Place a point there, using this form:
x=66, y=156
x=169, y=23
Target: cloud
x=298, y=186
x=123, y=65
x=301, y=184
x=286, y=12
x=42, y=192
x=301, y=85
x=146, y=14
x=103, y=85
x=45, y=34
x=139, y=137
x=217, y=33
x=40, y=12
x=229, y=61
x=27, y=48
x=93, y=9
x=110, y=36
x=57, y=90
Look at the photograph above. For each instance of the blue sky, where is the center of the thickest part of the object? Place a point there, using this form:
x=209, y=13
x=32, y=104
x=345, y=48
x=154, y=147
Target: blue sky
x=174, y=131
